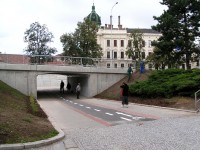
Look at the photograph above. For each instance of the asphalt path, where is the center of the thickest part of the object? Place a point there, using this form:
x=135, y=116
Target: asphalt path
x=110, y=116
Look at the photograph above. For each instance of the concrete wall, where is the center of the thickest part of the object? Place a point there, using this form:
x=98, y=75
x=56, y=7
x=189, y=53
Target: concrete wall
x=94, y=84
x=23, y=81
x=50, y=81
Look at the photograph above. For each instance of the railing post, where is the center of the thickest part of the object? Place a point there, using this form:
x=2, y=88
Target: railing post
x=196, y=100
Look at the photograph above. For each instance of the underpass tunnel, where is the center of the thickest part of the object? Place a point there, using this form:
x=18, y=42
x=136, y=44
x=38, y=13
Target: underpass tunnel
x=48, y=84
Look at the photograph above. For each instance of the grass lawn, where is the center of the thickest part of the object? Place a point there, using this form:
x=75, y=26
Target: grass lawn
x=18, y=122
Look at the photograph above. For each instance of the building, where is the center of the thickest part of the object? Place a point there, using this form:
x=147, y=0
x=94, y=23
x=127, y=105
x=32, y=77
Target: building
x=114, y=41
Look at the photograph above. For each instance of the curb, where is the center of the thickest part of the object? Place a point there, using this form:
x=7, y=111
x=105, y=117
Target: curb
x=36, y=144
x=170, y=108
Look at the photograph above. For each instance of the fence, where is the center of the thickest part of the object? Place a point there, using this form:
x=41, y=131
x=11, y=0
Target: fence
x=64, y=60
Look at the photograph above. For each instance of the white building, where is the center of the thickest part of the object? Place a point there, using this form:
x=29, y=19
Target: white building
x=114, y=43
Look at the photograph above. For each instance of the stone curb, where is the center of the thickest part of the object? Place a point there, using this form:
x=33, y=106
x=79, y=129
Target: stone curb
x=170, y=108
x=36, y=144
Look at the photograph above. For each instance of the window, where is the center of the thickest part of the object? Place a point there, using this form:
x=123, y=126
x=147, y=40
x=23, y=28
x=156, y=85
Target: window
x=150, y=66
x=115, y=65
x=122, y=65
x=115, y=43
x=149, y=43
x=108, y=43
x=136, y=54
x=150, y=53
x=115, y=55
x=108, y=65
x=122, y=43
x=143, y=55
x=129, y=43
x=122, y=55
x=143, y=43
x=108, y=54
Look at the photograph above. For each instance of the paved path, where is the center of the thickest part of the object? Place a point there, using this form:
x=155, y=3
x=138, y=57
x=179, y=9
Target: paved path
x=138, y=127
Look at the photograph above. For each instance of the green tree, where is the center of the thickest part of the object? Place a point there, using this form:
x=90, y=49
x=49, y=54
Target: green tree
x=179, y=25
x=135, y=46
x=38, y=37
x=83, y=42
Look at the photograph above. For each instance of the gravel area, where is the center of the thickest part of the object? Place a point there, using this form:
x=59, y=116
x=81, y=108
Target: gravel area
x=163, y=134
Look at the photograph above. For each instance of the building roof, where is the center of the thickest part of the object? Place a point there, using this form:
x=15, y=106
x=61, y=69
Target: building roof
x=94, y=17
x=14, y=58
x=130, y=30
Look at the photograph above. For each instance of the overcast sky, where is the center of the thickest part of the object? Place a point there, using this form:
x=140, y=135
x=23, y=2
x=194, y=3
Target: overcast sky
x=62, y=16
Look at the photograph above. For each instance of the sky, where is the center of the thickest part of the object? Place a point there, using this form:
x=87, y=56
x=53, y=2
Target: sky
x=62, y=16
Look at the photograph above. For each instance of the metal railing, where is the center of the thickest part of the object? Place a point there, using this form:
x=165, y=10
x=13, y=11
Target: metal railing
x=63, y=60
x=197, y=101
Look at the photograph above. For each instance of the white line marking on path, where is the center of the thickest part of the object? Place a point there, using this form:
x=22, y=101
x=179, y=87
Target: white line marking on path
x=126, y=119
x=109, y=114
x=70, y=101
x=119, y=113
x=88, y=107
x=97, y=110
x=81, y=105
x=75, y=103
x=137, y=118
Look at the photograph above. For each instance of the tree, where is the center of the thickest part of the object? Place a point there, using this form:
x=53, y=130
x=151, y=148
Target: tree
x=179, y=25
x=135, y=46
x=37, y=38
x=83, y=42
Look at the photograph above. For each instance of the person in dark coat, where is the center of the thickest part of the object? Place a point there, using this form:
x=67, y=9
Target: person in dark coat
x=62, y=84
x=125, y=92
x=68, y=87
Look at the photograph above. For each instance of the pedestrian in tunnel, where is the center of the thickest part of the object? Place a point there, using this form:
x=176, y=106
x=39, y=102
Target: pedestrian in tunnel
x=68, y=87
x=125, y=91
x=78, y=89
x=62, y=84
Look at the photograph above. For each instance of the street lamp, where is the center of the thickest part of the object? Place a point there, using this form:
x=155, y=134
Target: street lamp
x=112, y=28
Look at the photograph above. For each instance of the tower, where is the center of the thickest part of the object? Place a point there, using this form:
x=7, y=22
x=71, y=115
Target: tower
x=94, y=17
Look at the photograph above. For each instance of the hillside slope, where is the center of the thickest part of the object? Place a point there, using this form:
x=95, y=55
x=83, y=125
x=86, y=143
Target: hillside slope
x=17, y=124
x=113, y=93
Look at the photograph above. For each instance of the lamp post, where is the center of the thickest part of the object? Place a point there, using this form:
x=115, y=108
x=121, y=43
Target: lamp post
x=111, y=27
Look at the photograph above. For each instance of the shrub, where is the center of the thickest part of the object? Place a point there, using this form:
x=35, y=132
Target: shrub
x=168, y=83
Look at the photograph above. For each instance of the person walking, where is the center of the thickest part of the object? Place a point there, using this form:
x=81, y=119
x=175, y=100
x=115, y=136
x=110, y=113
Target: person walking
x=129, y=71
x=78, y=89
x=121, y=95
x=62, y=84
x=125, y=92
x=69, y=87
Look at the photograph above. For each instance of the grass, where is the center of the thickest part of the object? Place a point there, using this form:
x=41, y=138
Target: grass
x=21, y=118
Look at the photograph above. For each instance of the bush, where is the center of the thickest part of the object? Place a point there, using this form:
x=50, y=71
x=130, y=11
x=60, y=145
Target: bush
x=168, y=83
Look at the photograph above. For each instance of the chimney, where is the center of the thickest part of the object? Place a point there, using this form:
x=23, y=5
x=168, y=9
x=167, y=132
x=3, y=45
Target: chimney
x=119, y=25
x=111, y=22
